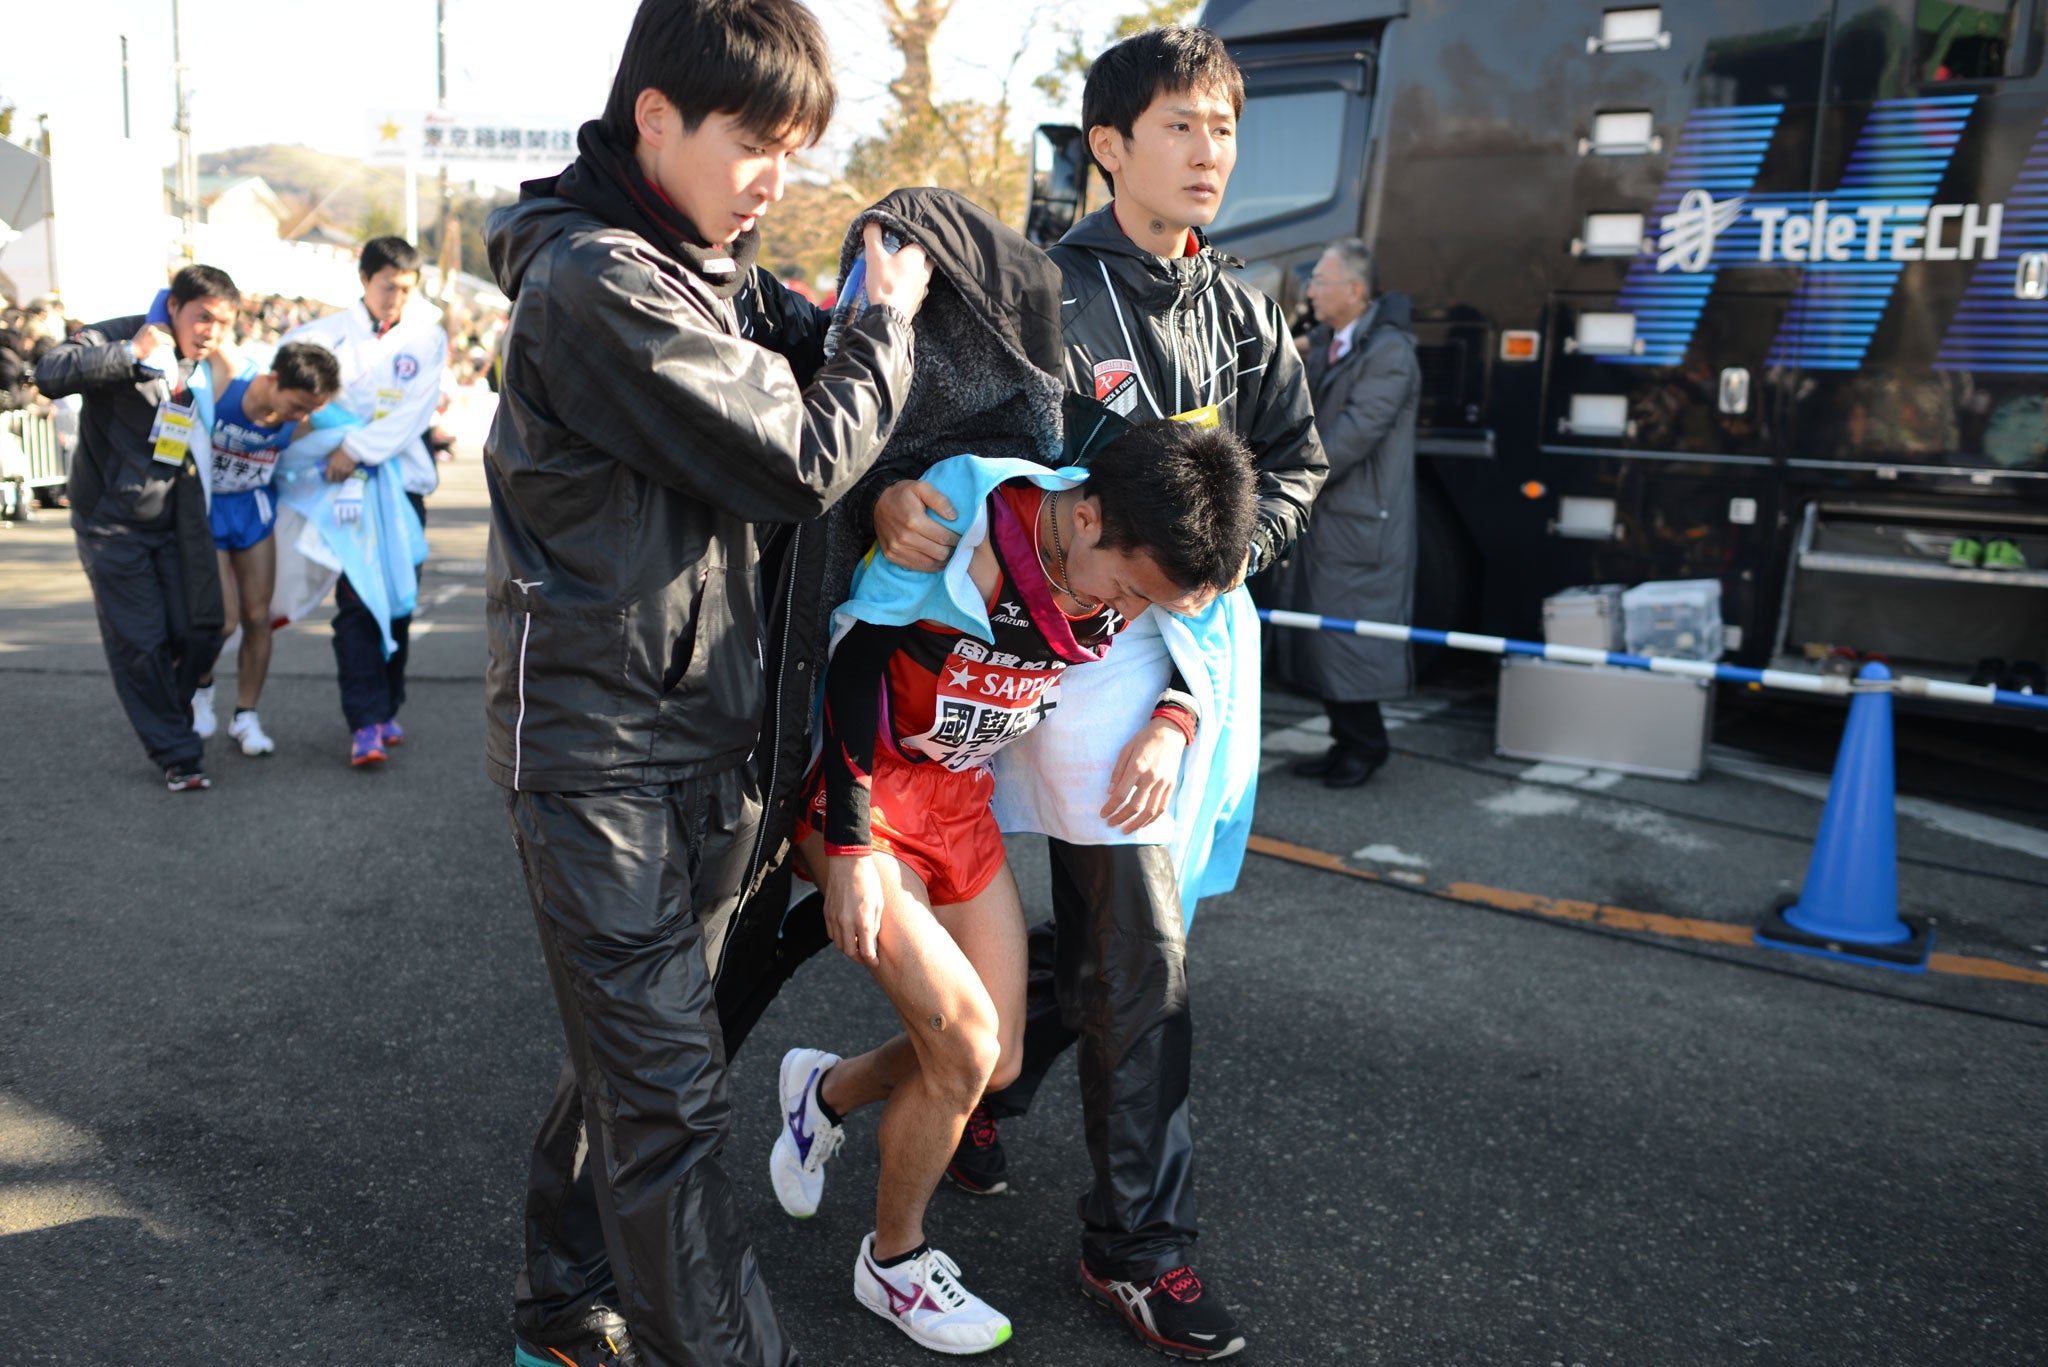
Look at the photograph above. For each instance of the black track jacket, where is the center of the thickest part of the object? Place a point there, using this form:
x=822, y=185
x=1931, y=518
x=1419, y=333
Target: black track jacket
x=1153, y=338
x=640, y=437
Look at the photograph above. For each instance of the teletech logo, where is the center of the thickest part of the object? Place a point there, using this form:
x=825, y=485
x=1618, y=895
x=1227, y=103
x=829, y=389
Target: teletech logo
x=1916, y=232
x=1853, y=243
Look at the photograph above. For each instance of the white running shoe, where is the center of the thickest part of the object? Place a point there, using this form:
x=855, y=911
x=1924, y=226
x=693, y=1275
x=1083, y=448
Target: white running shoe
x=924, y=1299
x=796, y=1165
x=204, y=724
x=249, y=731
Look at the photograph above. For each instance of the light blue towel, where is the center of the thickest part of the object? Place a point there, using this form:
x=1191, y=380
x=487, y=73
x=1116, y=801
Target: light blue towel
x=1054, y=780
x=381, y=550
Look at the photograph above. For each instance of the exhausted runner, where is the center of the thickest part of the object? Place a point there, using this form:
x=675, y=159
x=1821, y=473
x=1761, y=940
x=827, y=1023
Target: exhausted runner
x=255, y=418
x=935, y=674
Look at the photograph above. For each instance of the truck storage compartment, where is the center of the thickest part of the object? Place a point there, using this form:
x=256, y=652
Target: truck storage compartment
x=1917, y=586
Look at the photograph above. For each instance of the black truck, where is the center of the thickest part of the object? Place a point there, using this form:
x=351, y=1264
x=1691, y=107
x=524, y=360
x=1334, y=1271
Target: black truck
x=1754, y=290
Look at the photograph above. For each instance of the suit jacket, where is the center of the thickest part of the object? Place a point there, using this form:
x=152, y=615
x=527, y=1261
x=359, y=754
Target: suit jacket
x=1357, y=559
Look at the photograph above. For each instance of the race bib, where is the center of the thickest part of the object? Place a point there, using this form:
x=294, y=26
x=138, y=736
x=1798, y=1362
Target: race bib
x=985, y=699
x=387, y=400
x=170, y=436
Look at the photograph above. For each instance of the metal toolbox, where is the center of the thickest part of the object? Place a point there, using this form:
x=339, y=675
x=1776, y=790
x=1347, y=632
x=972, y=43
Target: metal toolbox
x=1588, y=616
x=1604, y=717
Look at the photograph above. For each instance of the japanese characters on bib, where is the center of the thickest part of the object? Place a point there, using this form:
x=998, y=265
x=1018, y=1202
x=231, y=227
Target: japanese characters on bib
x=983, y=698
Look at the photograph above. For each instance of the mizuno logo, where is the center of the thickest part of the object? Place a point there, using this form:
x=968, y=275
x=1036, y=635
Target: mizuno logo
x=796, y=1120
x=529, y=584
x=903, y=1302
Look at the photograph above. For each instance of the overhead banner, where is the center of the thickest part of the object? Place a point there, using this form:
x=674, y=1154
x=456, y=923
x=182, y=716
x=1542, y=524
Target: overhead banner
x=437, y=137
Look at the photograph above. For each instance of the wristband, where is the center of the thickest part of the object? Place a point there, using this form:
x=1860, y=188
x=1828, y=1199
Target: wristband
x=1179, y=719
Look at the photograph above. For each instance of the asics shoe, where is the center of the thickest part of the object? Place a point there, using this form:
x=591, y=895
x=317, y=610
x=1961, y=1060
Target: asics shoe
x=796, y=1165
x=2003, y=555
x=599, y=1339
x=186, y=778
x=1173, y=1312
x=978, y=1165
x=367, y=747
x=924, y=1298
x=394, y=734
x=204, y=723
x=247, y=730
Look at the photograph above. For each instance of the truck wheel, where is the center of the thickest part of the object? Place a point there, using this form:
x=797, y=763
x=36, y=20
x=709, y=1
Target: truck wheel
x=1446, y=573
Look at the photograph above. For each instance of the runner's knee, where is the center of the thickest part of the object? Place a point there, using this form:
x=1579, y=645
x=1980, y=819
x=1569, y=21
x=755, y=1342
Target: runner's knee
x=968, y=1053
x=1007, y=1068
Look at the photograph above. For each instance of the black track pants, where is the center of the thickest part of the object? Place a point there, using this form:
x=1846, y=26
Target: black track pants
x=626, y=1202
x=157, y=660
x=372, y=687
x=1110, y=971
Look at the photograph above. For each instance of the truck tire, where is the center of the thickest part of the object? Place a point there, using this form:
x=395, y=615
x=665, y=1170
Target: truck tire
x=1446, y=573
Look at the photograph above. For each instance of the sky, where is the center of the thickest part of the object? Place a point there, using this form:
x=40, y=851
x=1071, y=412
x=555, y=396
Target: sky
x=311, y=73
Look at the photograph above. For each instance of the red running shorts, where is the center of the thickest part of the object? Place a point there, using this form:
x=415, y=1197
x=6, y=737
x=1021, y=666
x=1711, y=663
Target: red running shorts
x=934, y=822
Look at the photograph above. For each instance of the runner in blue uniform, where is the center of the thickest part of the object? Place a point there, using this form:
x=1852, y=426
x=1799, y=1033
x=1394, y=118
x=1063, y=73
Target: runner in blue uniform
x=255, y=418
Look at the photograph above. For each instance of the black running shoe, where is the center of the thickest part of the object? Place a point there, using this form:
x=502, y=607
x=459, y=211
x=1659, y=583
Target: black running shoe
x=1173, y=1313
x=599, y=1339
x=186, y=778
x=978, y=1165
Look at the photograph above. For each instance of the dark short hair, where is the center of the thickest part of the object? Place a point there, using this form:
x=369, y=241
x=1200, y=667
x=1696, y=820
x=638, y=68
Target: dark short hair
x=380, y=252
x=303, y=365
x=203, y=282
x=764, y=61
x=1126, y=78
x=1185, y=495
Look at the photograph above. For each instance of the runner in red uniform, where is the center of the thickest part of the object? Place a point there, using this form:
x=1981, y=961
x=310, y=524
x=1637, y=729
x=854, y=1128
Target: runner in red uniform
x=899, y=825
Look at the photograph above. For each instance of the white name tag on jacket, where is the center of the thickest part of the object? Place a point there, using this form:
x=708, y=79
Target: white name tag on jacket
x=170, y=436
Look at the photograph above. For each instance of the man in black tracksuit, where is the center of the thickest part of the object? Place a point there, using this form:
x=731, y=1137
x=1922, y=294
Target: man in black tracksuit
x=138, y=505
x=640, y=437
x=1154, y=327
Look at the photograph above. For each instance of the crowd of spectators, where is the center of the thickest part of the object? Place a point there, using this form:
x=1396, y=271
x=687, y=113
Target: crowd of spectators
x=30, y=329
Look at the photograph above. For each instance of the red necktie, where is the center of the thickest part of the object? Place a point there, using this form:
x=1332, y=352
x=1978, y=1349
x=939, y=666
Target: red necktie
x=1336, y=349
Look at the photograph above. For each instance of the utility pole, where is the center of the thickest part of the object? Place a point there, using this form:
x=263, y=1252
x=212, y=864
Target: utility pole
x=451, y=252
x=188, y=169
x=126, y=132
x=49, y=200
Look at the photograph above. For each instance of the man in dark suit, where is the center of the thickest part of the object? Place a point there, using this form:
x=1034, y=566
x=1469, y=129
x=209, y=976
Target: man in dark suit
x=1357, y=559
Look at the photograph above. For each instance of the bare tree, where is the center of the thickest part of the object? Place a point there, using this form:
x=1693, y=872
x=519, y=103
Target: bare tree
x=913, y=27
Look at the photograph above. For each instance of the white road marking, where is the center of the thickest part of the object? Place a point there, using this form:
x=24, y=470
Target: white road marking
x=1311, y=735
x=1529, y=802
x=440, y=596
x=1643, y=824
x=1571, y=776
x=1939, y=816
x=1389, y=854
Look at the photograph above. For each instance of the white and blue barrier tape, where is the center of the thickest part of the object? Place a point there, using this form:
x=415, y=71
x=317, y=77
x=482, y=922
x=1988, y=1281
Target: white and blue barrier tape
x=1792, y=680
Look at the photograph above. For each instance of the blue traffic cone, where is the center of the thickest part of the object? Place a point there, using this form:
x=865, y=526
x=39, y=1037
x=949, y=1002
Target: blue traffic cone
x=1849, y=905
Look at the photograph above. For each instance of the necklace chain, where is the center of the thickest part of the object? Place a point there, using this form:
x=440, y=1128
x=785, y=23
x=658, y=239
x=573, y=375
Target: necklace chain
x=1060, y=554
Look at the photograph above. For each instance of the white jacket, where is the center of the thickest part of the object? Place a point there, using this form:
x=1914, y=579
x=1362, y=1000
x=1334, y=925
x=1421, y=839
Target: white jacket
x=392, y=382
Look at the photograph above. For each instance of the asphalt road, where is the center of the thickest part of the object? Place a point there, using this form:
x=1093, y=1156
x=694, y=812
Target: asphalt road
x=270, y=1055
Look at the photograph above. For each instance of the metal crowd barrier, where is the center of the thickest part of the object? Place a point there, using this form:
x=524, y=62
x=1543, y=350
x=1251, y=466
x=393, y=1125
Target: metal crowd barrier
x=36, y=436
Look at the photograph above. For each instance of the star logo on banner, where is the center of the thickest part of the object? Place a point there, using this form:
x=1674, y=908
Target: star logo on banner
x=962, y=676
x=388, y=130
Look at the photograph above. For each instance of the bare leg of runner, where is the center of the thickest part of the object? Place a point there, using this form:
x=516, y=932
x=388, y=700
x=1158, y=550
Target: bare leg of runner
x=955, y=975
x=254, y=577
